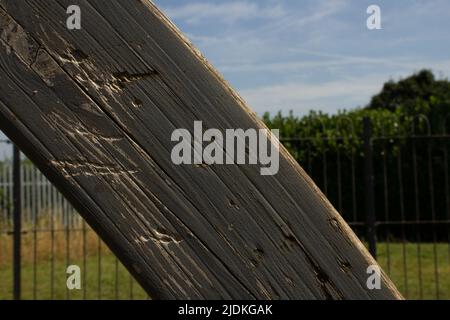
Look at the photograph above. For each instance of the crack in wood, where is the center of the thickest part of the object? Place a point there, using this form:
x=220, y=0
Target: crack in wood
x=126, y=77
x=73, y=169
x=159, y=237
x=76, y=129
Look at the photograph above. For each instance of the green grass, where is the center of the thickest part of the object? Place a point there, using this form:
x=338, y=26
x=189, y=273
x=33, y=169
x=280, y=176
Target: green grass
x=123, y=287
x=112, y=285
x=105, y=278
x=403, y=268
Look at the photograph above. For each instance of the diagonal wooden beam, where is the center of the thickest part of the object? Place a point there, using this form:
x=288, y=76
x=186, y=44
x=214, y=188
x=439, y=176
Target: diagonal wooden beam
x=95, y=108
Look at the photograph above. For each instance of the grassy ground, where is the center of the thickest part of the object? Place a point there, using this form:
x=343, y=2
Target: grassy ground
x=424, y=278
x=108, y=286
x=45, y=258
x=106, y=278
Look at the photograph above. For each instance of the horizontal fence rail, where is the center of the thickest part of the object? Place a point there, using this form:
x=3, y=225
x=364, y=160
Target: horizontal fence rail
x=392, y=188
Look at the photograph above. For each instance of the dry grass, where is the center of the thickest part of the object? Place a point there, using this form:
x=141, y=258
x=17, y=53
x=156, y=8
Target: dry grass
x=46, y=255
x=38, y=241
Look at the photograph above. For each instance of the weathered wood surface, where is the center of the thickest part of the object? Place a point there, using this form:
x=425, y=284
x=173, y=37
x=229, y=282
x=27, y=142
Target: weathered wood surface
x=95, y=109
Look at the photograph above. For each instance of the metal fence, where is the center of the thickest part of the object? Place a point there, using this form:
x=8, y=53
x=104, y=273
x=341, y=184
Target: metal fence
x=393, y=190
x=44, y=235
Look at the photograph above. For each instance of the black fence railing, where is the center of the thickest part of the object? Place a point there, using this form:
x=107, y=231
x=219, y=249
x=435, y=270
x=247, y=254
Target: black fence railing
x=392, y=189
x=41, y=235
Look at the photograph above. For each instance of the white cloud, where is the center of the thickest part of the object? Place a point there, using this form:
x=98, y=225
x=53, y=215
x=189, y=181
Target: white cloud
x=329, y=60
x=302, y=97
x=344, y=92
x=228, y=12
x=282, y=67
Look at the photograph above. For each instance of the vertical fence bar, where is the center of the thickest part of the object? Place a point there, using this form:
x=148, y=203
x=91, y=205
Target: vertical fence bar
x=116, y=281
x=84, y=235
x=447, y=206
x=403, y=221
x=17, y=220
x=339, y=174
x=354, y=201
x=99, y=270
x=418, y=230
x=34, y=184
x=386, y=207
x=433, y=217
x=52, y=243
x=67, y=233
x=369, y=187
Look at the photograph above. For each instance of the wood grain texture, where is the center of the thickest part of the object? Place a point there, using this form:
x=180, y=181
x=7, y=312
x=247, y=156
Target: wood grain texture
x=95, y=108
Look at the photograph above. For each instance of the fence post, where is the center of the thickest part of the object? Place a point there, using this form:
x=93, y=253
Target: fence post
x=369, y=187
x=17, y=220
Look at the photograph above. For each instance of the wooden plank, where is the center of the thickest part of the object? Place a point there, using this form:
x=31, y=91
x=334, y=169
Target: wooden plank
x=95, y=109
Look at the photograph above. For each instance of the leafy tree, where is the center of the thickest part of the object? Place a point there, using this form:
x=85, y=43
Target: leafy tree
x=420, y=93
x=330, y=147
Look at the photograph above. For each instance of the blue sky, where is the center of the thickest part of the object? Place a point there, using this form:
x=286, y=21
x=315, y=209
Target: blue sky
x=314, y=54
